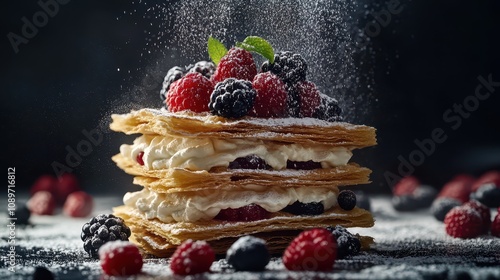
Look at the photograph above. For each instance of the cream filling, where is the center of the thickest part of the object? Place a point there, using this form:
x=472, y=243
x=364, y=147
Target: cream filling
x=161, y=152
x=205, y=206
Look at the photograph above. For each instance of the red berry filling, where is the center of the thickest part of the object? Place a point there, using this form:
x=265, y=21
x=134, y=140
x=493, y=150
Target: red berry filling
x=139, y=157
x=192, y=257
x=252, y=212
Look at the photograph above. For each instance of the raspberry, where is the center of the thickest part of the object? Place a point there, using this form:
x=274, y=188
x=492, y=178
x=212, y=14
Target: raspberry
x=248, y=162
x=139, y=158
x=232, y=98
x=347, y=200
x=206, y=68
x=309, y=209
x=347, y=243
x=406, y=186
x=42, y=203
x=488, y=194
x=44, y=183
x=495, y=225
x=120, y=258
x=238, y=64
x=309, y=98
x=442, y=205
x=459, y=190
x=191, y=92
x=464, y=178
x=288, y=66
x=78, y=204
x=463, y=222
x=248, y=253
x=488, y=177
x=192, y=257
x=66, y=183
x=303, y=165
x=271, y=96
x=173, y=74
x=251, y=212
x=314, y=249
x=101, y=229
x=483, y=211
x=328, y=109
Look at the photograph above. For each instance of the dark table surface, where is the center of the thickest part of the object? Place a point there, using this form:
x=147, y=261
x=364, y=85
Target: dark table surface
x=408, y=246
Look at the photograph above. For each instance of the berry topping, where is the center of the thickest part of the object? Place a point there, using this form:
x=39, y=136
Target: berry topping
x=328, y=109
x=483, y=211
x=289, y=66
x=192, y=257
x=463, y=222
x=248, y=253
x=442, y=205
x=303, y=165
x=312, y=250
x=206, y=68
x=251, y=212
x=488, y=194
x=238, y=64
x=248, y=162
x=101, y=229
x=173, y=74
x=271, y=96
x=347, y=243
x=347, y=200
x=459, y=190
x=67, y=183
x=309, y=98
x=78, y=204
x=191, y=92
x=42, y=273
x=309, y=209
x=42, y=203
x=488, y=177
x=139, y=158
x=495, y=225
x=120, y=258
x=232, y=98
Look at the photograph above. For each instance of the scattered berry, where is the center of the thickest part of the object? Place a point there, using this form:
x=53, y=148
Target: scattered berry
x=347, y=200
x=101, y=229
x=140, y=157
x=192, y=257
x=22, y=214
x=308, y=209
x=42, y=203
x=173, y=74
x=248, y=162
x=42, y=273
x=66, y=183
x=303, y=165
x=347, y=243
x=404, y=203
x=363, y=201
x=463, y=222
x=411, y=195
x=406, y=186
x=191, y=92
x=232, y=98
x=248, y=253
x=488, y=194
x=488, y=177
x=78, y=204
x=251, y=212
x=271, y=96
x=424, y=196
x=328, y=109
x=288, y=66
x=120, y=258
x=459, y=190
x=206, y=68
x=483, y=211
x=44, y=183
x=464, y=178
x=238, y=64
x=495, y=225
x=312, y=250
x=442, y=205
x=309, y=98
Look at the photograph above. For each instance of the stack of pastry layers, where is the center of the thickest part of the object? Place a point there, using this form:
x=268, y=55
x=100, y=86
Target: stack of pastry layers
x=182, y=185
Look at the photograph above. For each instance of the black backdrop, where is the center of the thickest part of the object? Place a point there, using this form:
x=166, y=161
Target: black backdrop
x=65, y=80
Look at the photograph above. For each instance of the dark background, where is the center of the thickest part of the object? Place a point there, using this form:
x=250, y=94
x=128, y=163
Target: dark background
x=93, y=59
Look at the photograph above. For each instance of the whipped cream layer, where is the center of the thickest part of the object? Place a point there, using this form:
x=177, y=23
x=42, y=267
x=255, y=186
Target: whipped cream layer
x=161, y=152
x=205, y=206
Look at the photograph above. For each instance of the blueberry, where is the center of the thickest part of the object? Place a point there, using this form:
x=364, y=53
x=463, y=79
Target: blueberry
x=488, y=194
x=303, y=165
x=41, y=273
x=441, y=206
x=249, y=162
x=347, y=200
x=424, y=195
x=248, y=253
x=310, y=209
x=405, y=203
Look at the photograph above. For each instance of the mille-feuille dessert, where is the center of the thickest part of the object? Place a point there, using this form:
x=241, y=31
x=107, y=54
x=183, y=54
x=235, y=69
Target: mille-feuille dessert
x=236, y=151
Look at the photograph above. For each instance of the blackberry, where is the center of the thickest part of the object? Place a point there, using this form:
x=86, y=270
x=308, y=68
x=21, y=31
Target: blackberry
x=288, y=66
x=101, y=229
x=308, y=209
x=206, y=68
x=328, y=109
x=347, y=243
x=303, y=165
x=347, y=200
x=173, y=74
x=293, y=101
x=249, y=162
x=488, y=194
x=248, y=253
x=232, y=98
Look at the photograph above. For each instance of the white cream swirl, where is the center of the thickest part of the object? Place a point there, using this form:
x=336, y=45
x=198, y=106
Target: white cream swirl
x=205, y=206
x=204, y=153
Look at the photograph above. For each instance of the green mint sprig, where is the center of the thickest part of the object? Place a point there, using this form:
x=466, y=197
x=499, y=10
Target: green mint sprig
x=216, y=50
x=258, y=45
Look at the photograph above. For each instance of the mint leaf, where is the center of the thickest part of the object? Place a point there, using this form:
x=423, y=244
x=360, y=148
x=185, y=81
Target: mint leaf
x=258, y=45
x=216, y=50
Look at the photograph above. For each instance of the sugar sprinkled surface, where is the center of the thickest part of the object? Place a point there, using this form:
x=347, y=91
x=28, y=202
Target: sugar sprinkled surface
x=408, y=246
